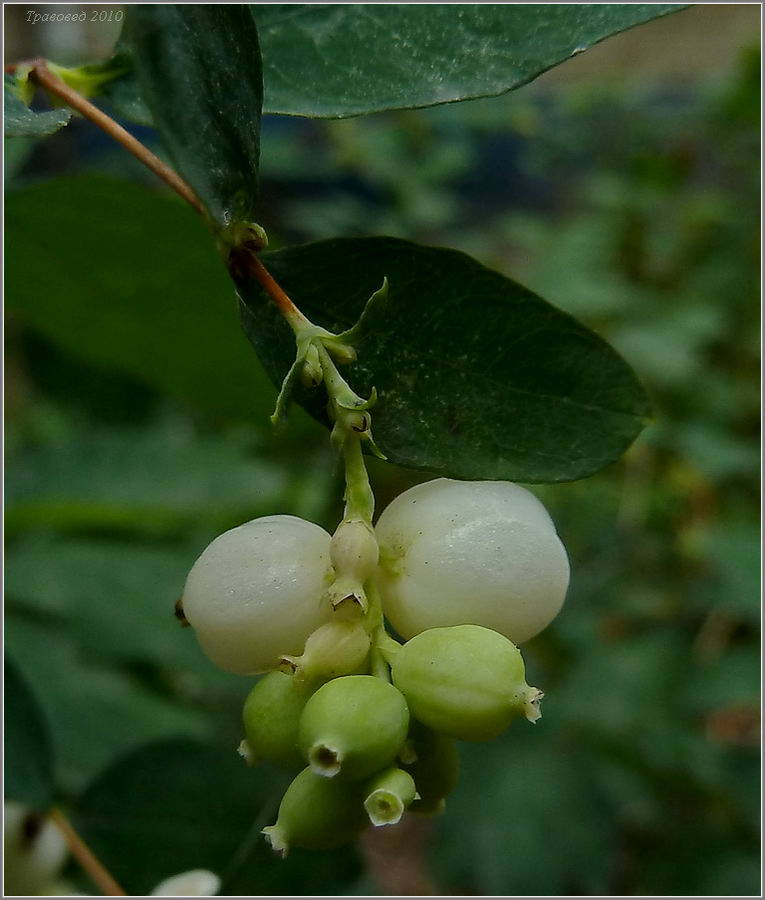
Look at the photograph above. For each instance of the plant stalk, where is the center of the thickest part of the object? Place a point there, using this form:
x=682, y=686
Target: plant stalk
x=41, y=74
x=44, y=77
x=85, y=856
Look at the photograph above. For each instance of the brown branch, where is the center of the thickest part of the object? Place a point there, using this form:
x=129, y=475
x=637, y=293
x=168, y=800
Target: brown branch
x=266, y=280
x=43, y=76
x=85, y=856
x=250, y=264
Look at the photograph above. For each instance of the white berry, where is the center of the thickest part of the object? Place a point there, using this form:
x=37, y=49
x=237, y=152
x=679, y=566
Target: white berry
x=258, y=591
x=470, y=553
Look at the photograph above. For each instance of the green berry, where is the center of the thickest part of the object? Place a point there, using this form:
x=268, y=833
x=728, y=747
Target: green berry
x=317, y=814
x=388, y=795
x=271, y=716
x=337, y=648
x=353, y=726
x=464, y=681
x=434, y=764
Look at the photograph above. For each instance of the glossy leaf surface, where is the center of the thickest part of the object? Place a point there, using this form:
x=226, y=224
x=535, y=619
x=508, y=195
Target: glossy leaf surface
x=477, y=376
x=200, y=75
x=128, y=279
x=21, y=121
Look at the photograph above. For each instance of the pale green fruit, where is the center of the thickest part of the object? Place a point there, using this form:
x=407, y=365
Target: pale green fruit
x=353, y=726
x=337, y=648
x=388, y=795
x=257, y=592
x=470, y=552
x=317, y=813
x=435, y=766
x=271, y=717
x=464, y=681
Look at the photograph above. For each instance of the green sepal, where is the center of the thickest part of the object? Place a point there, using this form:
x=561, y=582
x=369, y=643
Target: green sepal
x=22, y=85
x=90, y=79
x=288, y=385
x=359, y=405
x=375, y=305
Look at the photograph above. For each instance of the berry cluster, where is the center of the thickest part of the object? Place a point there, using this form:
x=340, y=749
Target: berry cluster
x=463, y=571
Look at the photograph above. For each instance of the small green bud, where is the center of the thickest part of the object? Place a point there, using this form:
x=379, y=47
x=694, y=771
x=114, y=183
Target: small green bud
x=312, y=373
x=271, y=716
x=464, y=681
x=353, y=726
x=388, y=795
x=353, y=554
x=334, y=649
x=317, y=814
x=435, y=768
x=340, y=351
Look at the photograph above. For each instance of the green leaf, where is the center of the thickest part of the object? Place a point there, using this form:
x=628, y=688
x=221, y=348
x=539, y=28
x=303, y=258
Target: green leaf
x=331, y=60
x=200, y=74
x=115, y=598
x=21, y=121
x=182, y=805
x=131, y=282
x=139, y=480
x=334, y=61
x=477, y=377
x=526, y=819
x=28, y=755
x=94, y=711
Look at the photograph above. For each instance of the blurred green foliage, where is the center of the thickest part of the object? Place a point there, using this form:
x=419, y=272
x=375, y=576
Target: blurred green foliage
x=635, y=210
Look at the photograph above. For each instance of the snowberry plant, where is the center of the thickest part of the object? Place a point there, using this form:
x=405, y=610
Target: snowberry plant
x=383, y=643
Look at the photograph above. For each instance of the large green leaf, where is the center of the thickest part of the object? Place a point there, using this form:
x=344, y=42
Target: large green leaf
x=477, y=377
x=128, y=279
x=28, y=756
x=140, y=481
x=526, y=819
x=360, y=58
x=21, y=121
x=200, y=74
x=182, y=805
x=113, y=597
x=95, y=711
x=333, y=61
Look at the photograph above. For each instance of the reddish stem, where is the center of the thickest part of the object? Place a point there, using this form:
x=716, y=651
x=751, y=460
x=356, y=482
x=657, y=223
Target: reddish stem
x=85, y=856
x=43, y=76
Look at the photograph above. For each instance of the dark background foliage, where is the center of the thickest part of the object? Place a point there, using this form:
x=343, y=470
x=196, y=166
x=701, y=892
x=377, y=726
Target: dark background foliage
x=618, y=187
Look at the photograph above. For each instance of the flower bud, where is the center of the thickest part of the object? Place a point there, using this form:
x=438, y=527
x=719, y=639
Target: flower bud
x=312, y=374
x=340, y=351
x=353, y=726
x=435, y=768
x=271, y=717
x=464, y=681
x=337, y=648
x=388, y=795
x=353, y=554
x=317, y=814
